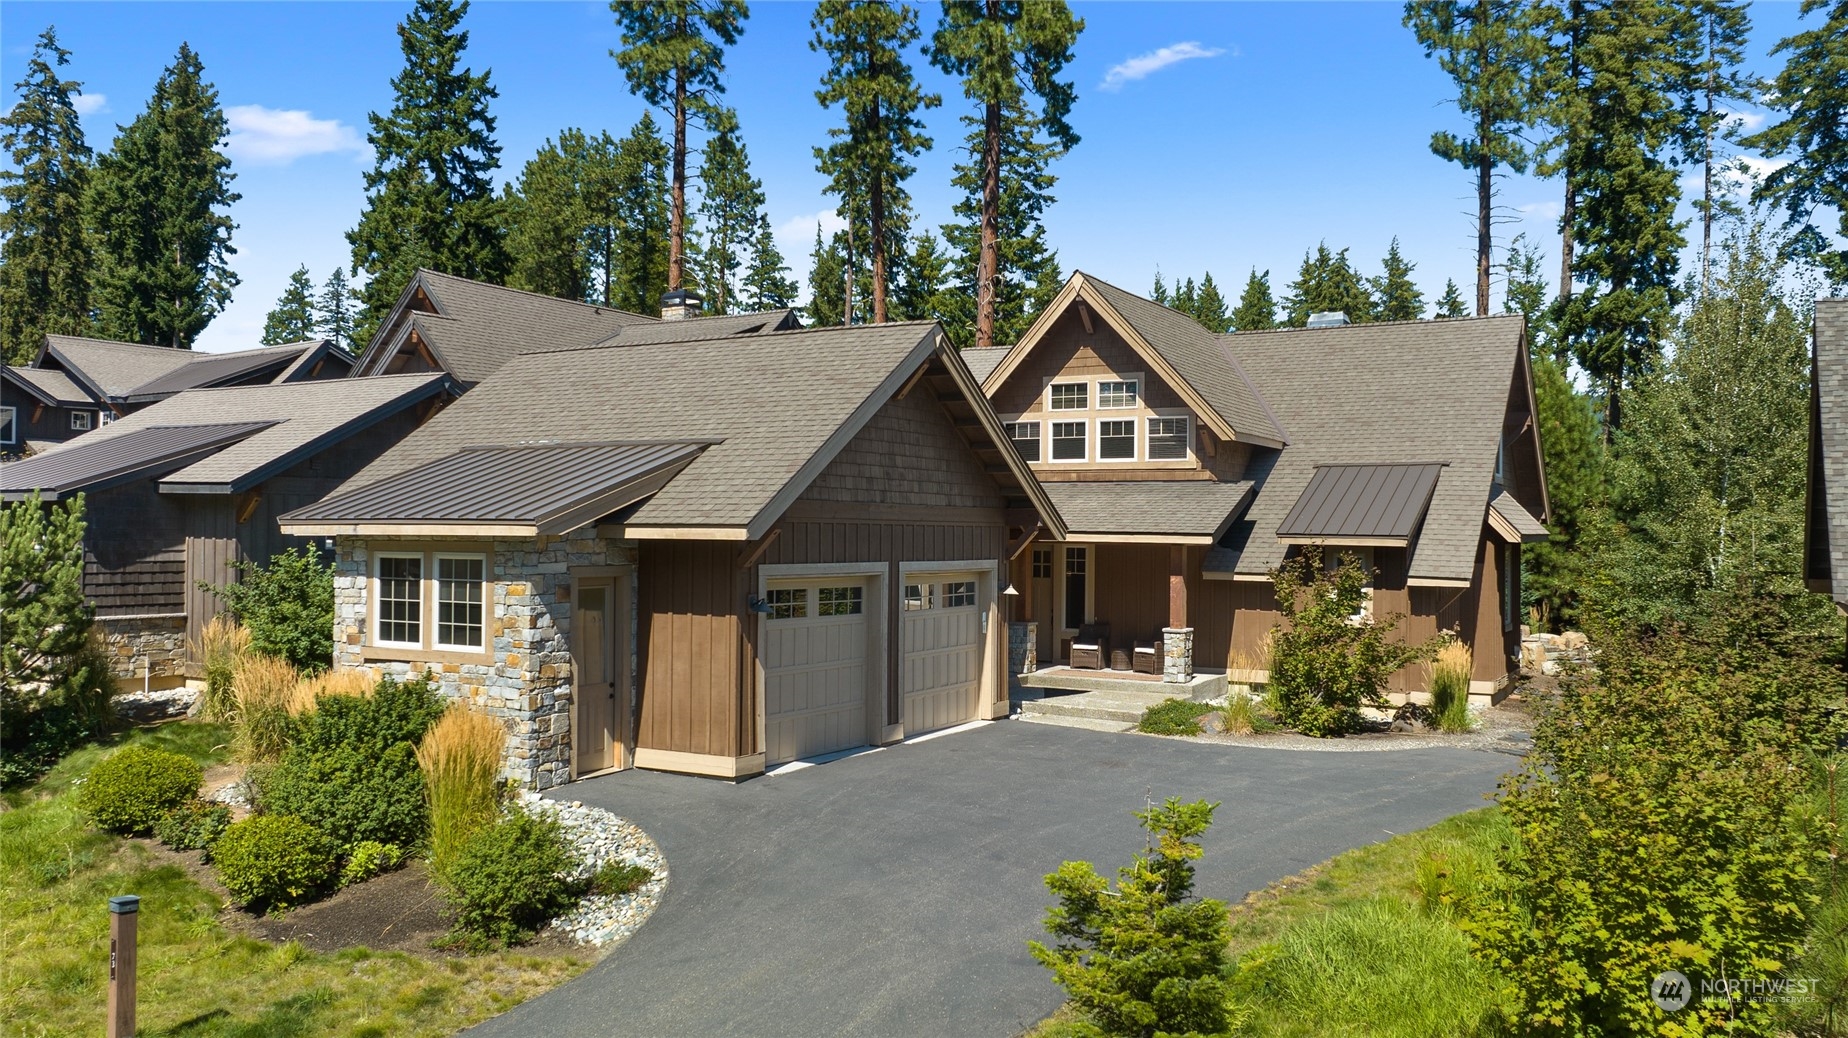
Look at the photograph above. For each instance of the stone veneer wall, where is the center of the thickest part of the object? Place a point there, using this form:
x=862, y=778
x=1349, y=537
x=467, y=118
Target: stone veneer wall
x=145, y=646
x=527, y=680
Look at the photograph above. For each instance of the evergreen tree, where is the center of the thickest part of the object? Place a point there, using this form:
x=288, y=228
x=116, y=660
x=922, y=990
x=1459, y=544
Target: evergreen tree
x=1256, y=311
x=672, y=54
x=870, y=79
x=1573, y=453
x=1025, y=272
x=827, y=287
x=767, y=282
x=1327, y=282
x=429, y=195
x=1396, y=296
x=1451, y=306
x=44, y=250
x=1210, y=306
x=1813, y=90
x=731, y=206
x=925, y=292
x=1489, y=49
x=1526, y=294
x=157, y=207
x=1186, y=297
x=1722, y=27
x=335, y=307
x=1160, y=292
x=544, y=211
x=293, y=319
x=640, y=216
x=1004, y=51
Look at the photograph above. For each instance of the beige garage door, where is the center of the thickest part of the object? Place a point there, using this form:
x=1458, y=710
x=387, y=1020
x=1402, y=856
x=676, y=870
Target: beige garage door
x=942, y=637
x=815, y=674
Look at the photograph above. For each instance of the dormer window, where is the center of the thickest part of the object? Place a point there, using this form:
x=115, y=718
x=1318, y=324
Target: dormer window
x=1117, y=394
x=1071, y=396
x=82, y=420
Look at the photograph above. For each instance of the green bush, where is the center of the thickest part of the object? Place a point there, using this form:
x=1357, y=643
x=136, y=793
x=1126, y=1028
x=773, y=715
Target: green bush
x=274, y=861
x=352, y=771
x=1173, y=717
x=288, y=607
x=368, y=859
x=509, y=879
x=129, y=790
x=616, y=878
x=1147, y=958
x=1324, y=665
x=194, y=825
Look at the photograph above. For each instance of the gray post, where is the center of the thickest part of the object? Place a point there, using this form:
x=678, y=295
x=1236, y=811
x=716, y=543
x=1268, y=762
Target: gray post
x=124, y=911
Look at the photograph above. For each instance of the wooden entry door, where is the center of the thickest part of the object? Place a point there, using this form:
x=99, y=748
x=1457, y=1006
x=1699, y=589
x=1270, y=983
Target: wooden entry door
x=600, y=659
x=1040, y=569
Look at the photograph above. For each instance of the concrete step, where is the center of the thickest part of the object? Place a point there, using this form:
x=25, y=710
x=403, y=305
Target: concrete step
x=1116, y=705
x=1088, y=723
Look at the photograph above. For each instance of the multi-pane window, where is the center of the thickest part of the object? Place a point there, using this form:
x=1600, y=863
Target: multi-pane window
x=1167, y=439
x=1026, y=437
x=1067, y=441
x=400, y=607
x=1076, y=560
x=80, y=420
x=459, y=601
x=1116, y=394
x=840, y=601
x=958, y=593
x=1071, y=396
x=1042, y=562
x=1116, y=441
x=105, y=417
x=9, y=425
x=918, y=596
x=788, y=603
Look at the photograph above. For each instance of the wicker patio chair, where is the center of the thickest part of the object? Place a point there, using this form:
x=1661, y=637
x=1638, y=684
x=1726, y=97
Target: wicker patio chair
x=1147, y=658
x=1092, y=647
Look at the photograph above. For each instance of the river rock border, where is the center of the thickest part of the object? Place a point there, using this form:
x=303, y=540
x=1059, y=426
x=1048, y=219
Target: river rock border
x=599, y=838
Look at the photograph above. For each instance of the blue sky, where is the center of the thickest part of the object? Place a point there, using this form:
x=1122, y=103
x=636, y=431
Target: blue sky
x=1217, y=136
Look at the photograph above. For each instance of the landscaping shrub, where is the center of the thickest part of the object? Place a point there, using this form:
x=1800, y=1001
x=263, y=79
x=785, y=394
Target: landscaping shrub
x=1325, y=664
x=1146, y=958
x=1173, y=717
x=509, y=879
x=288, y=606
x=274, y=861
x=1240, y=716
x=265, y=686
x=221, y=645
x=352, y=769
x=1450, y=687
x=616, y=878
x=370, y=858
x=193, y=825
x=460, y=757
x=129, y=790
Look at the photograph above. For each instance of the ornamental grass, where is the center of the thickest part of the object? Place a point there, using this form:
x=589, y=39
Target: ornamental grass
x=1450, y=687
x=220, y=647
x=265, y=688
x=460, y=756
x=312, y=689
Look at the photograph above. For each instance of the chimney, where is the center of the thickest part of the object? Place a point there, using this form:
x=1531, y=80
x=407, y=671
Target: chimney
x=680, y=304
x=1325, y=319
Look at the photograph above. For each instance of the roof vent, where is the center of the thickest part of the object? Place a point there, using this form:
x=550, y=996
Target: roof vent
x=1328, y=319
x=680, y=304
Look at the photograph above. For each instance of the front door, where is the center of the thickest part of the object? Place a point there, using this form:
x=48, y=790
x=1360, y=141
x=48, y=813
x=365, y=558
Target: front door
x=602, y=685
x=1041, y=591
x=1076, y=594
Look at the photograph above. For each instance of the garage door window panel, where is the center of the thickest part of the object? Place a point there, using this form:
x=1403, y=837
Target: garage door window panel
x=841, y=601
x=788, y=603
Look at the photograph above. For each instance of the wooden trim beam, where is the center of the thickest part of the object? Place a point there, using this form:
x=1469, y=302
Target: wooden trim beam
x=916, y=377
x=749, y=556
x=1177, y=586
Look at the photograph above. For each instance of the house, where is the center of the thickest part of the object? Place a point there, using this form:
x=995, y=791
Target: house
x=181, y=490
x=75, y=385
x=693, y=548
x=1188, y=465
x=1825, y=542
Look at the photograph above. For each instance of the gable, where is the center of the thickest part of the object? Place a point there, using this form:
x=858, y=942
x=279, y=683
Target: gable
x=908, y=454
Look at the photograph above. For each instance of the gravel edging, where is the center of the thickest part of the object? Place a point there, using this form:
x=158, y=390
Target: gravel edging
x=599, y=838
x=1499, y=729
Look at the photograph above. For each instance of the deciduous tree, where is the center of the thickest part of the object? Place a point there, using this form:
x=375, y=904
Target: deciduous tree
x=44, y=250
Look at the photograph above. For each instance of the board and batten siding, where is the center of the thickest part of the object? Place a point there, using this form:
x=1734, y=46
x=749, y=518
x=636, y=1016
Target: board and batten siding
x=690, y=595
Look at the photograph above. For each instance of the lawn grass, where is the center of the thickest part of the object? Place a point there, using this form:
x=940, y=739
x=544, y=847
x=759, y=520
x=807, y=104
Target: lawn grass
x=196, y=977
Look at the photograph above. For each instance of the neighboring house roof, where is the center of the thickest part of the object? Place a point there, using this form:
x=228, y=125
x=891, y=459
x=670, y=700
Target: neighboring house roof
x=1361, y=504
x=982, y=363
x=53, y=388
x=211, y=369
x=1825, y=561
x=97, y=462
x=1179, y=511
x=126, y=372
x=296, y=420
x=1515, y=521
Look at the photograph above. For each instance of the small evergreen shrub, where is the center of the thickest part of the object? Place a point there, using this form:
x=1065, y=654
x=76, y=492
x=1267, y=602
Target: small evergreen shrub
x=274, y=861
x=1173, y=717
x=192, y=826
x=460, y=757
x=616, y=878
x=370, y=858
x=288, y=606
x=129, y=790
x=265, y=686
x=1450, y=687
x=1325, y=663
x=509, y=879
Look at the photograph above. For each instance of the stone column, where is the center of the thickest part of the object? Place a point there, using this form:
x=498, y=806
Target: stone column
x=1022, y=647
x=1177, y=654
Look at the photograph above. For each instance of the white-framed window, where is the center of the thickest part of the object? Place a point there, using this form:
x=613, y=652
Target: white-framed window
x=787, y=603
x=1116, y=440
x=1026, y=437
x=1068, y=441
x=9, y=425
x=957, y=593
x=1117, y=394
x=841, y=601
x=82, y=420
x=105, y=417
x=1069, y=396
x=1168, y=439
x=460, y=610
x=398, y=594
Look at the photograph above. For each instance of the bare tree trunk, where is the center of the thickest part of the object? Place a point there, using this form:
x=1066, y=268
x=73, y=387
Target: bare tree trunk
x=677, y=220
x=1485, y=182
x=988, y=260
x=876, y=210
x=847, y=275
x=1706, y=205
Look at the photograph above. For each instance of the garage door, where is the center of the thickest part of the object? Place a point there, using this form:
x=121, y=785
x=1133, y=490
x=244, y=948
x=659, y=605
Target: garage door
x=814, y=658
x=942, y=638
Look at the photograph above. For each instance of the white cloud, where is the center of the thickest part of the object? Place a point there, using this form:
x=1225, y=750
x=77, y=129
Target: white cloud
x=277, y=137
x=1743, y=122
x=1540, y=210
x=87, y=104
x=1144, y=65
x=1740, y=174
x=800, y=229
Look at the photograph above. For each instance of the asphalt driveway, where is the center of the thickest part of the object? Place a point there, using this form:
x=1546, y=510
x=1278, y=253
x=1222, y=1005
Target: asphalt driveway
x=893, y=893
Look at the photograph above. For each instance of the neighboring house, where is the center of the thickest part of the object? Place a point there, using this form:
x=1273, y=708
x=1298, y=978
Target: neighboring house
x=1188, y=465
x=692, y=549
x=179, y=491
x=75, y=385
x=1825, y=543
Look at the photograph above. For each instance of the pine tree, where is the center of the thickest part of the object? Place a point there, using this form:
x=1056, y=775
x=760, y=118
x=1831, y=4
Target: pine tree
x=1160, y=292
x=157, y=207
x=1813, y=89
x=1025, y=272
x=731, y=206
x=1256, y=311
x=1327, y=283
x=638, y=211
x=544, y=210
x=1526, y=294
x=1451, y=306
x=924, y=292
x=767, y=282
x=44, y=251
x=1004, y=52
x=1573, y=454
x=293, y=319
x=1489, y=49
x=827, y=287
x=1186, y=297
x=672, y=54
x=1396, y=296
x=335, y=307
x=429, y=196
x=1210, y=307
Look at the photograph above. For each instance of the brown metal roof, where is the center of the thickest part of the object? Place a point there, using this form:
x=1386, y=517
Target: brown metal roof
x=94, y=462
x=550, y=487
x=1378, y=503
x=211, y=369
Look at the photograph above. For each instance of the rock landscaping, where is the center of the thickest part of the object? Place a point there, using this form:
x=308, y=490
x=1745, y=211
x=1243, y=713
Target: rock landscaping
x=600, y=838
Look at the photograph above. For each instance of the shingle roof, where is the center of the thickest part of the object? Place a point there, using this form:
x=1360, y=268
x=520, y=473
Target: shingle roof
x=721, y=326
x=1180, y=508
x=93, y=462
x=1826, y=555
x=982, y=363
x=1380, y=393
x=1361, y=502
x=207, y=369
x=483, y=326
x=1517, y=516
x=53, y=387
x=115, y=368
